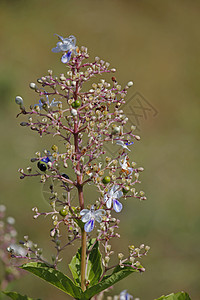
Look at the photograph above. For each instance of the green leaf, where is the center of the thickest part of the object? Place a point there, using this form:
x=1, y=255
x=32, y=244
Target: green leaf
x=16, y=296
x=94, y=268
x=117, y=275
x=75, y=267
x=54, y=277
x=178, y=296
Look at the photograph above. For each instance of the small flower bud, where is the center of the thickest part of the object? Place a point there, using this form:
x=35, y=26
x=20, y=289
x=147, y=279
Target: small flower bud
x=74, y=112
x=136, y=176
x=23, y=123
x=19, y=100
x=137, y=264
x=133, y=127
x=21, y=171
x=141, y=246
x=39, y=251
x=140, y=169
x=131, y=247
x=108, y=159
x=137, y=137
x=120, y=255
x=107, y=259
x=32, y=85
x=116, y=130
x=130, y=83
x=108, y=247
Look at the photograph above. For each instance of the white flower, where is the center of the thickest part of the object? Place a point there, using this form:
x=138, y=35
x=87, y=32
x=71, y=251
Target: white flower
x=67, y=45
x=125, y=166
x=123, y=144
x=18, y=250
x=112, y=197
x=90, y=216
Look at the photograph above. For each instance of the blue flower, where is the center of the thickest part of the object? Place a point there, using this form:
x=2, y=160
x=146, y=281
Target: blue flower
x=68, y=46
x=124, y=145
x=52, y=104
x=46, y=159
x=112, y=197
x=90, y=216
x=125, y=296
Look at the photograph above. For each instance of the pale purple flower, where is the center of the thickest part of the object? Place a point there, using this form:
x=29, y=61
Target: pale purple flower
x=125, y=296
x=90, y=216
x=112, y=197
x=123, y=144
x=67, y=45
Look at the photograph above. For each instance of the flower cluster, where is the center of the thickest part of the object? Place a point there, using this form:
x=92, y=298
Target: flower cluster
x=8, y=241
x=83, y=122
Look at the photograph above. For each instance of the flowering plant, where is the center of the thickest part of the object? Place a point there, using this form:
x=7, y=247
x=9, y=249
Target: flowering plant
x=84, y=121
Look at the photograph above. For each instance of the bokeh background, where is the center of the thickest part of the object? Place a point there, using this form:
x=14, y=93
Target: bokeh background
x=156, y=44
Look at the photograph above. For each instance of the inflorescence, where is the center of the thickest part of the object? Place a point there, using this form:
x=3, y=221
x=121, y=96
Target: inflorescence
x=84, y=121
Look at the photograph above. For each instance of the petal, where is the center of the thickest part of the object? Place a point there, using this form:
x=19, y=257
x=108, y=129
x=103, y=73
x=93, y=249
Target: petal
x=54, y=103
x=120, y=143
x=117, y=205
x=105, y=197
x=47, y=97
x=66, y=57
x=118, y=194
x=66, y=46
x=100, y=212
x=115, y=188
x=130, y=171
x=56, y=49
x=40, y=104
x=86, y=217
x=125, y=147
x=45, y=159
x=109, y=202
x=125, y=296
x=72, y=39
x=89, y=226
x=60, y=37
x=84, y=211
x=98, y=218
x=129, y=144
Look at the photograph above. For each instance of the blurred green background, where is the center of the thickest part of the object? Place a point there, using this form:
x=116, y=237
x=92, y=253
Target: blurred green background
x=156, y=44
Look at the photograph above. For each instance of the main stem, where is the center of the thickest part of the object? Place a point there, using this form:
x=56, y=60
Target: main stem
x=81, y=202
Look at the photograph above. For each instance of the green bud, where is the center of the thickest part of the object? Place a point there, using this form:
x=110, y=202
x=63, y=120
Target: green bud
x=106, y=179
